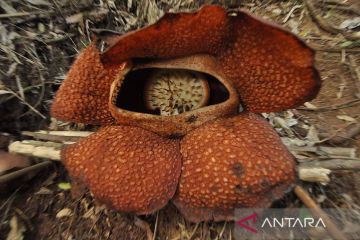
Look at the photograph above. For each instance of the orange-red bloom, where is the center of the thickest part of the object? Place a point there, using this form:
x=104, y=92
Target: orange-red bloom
x=208, y=158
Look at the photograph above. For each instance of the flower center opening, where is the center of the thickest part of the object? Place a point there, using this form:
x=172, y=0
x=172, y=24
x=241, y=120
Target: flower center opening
x=172, y=92
x=167, y=92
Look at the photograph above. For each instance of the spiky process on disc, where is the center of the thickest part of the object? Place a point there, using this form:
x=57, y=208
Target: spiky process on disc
x=232, y=163
x=272, y=69
x=174, y=91
x=128, y=168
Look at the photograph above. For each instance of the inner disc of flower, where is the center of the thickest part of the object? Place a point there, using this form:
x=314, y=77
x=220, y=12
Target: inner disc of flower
x=174, y=91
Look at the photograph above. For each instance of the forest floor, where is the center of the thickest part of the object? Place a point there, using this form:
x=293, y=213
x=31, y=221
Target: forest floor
x=40, y=39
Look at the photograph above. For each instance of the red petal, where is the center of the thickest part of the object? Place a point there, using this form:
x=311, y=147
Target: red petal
x=128, y=168
x=84, y=94
x=272, y=69
x=232, y=163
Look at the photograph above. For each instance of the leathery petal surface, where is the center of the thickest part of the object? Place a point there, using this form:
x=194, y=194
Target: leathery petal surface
x=232, y=163
x=128, y=168
x=272, y=69
x=84, y=95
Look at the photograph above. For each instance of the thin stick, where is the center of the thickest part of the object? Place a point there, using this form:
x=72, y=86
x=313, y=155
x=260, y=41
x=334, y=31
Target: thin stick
x=327, y=151
x=333, y=164
x=193, y=231
x=48, y=150
x=342, y=6
x=335, y=50
x=27, y=104
x=59, y=10
x=356, y=71
x=348, y=134
x=19, y=14
x=323, y=24
x=221, y=232
x=58, y=136
x=156, y=225
x=320, y=175
x=291, y=12
x=7, y=177
x=332, y=108
x=318, y=212
x=144, y=226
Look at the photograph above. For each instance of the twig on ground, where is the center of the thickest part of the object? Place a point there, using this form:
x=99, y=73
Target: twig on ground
x=320, y=175
x=291, y=12
x=334, y=49
x=156, y=225
x=193, y=231
x=47, y=150
x=26, y=103
x=58, y=136
x=25, y=218
x=355, y=70
x=57, y=7
x=221, y=232
x=26, y=89
x=320, y=21
x=146, y=227
x=19, y=14
x=56, y=40
x=8, y=203
x=343, y=136
x=332, y=108
x=41, y=95
x=323, y=24
x=7, y=177
x=333, y=164
x=341, y=6
x=316, y=211
x=326, y=151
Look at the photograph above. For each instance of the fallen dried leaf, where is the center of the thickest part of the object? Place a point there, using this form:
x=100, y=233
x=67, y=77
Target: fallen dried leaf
x=39, y=2
x=350, y=23
x=4, y=92
x=314, y=175
x=16, y=230
x=65, y=212
x=76, y=18
x=346, y=118
x=313, y=135
x=284, y=125
x=310, y=105
x=7, y=7
x=276, y=12
x=44, y=191
x=89, y=213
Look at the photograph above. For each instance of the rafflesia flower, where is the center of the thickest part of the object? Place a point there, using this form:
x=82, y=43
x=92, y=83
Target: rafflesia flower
x=168, y=97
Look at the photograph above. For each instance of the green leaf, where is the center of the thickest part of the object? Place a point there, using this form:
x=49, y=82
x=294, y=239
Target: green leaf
x=64, y=185
x=346, y=44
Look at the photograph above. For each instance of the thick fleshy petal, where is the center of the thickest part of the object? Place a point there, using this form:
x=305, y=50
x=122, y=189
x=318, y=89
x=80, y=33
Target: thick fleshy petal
x=232, y=163
x=272, y=69
x=128, y=168
x=84, y=94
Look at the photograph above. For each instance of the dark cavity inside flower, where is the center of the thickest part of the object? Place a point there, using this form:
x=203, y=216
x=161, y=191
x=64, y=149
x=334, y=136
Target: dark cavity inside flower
x=167, y=92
